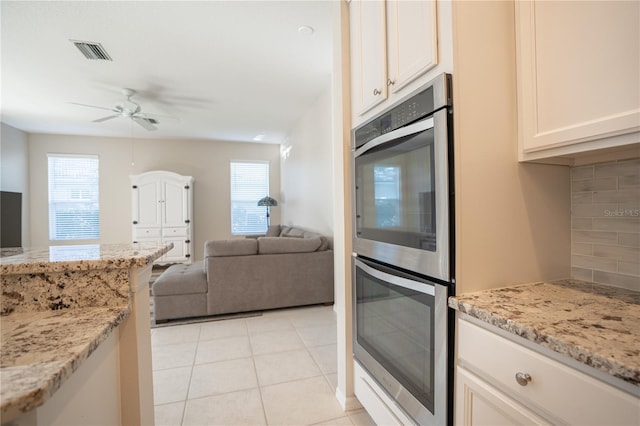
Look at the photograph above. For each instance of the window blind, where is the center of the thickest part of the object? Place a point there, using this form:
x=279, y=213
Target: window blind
x=249, y=183
x=74, y=209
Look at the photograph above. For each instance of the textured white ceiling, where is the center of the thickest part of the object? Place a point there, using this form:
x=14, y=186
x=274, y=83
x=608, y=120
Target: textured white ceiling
x=230, y=70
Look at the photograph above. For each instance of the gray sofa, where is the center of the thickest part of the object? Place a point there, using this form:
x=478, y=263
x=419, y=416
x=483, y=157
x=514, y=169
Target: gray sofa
x=287, y=267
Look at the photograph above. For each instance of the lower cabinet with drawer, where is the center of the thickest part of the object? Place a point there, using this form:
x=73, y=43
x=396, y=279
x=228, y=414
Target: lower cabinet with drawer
x=499, y=381
x=179, y=236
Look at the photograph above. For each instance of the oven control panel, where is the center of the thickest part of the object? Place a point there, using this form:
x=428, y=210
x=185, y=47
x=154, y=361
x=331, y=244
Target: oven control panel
x=425, y=101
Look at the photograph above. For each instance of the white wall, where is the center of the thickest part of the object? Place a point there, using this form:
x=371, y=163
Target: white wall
x=14, y=170
x=206, y=161
x=307, y=169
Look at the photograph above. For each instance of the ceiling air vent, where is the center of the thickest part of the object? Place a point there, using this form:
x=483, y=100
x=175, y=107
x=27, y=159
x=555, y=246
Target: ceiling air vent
x=92, y=50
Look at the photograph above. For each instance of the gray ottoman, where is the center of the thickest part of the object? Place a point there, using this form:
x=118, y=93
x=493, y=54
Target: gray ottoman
x=180, y=292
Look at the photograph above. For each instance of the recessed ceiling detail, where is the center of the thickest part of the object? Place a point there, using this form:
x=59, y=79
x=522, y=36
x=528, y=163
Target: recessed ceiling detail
x=305, y=30
x=93, y=51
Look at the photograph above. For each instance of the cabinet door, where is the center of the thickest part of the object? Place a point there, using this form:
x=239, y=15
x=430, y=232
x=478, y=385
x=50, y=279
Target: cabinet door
x=179, y=252
x=145, y=202
x=478, y=403
x=412, y=41
x=368, y=53
x=578, y=67
x=174, y=202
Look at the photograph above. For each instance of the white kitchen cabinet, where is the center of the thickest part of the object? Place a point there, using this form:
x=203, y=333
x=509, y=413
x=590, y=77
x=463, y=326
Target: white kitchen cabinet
x=412, y=39
x=488, y=390
x=162, y=211
x=578, y=67
x=393, y=43
x=479, y=403
x=368, y=53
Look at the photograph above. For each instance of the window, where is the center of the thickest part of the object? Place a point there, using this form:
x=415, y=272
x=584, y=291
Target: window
x=74, y=210
x=387, y=195
x=249, y=183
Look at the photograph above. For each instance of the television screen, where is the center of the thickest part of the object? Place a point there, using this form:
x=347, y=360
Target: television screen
x=10, y=219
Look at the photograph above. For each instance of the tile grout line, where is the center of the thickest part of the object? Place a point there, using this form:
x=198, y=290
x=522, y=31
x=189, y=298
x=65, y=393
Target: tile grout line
x=255, y=370
x=302, y=324
x=193, y=364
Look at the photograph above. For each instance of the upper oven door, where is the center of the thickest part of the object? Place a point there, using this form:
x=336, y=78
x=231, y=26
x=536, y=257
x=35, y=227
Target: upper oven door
x=402, y=197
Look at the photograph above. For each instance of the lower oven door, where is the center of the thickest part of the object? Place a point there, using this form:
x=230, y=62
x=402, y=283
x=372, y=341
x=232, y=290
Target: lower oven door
x=400, y=338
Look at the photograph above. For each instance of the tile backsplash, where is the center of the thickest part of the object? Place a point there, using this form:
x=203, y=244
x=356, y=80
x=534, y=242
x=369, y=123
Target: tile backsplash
x=605, y=223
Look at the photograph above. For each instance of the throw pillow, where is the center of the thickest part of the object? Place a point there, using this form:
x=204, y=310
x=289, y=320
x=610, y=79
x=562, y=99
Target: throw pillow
x=273, y=231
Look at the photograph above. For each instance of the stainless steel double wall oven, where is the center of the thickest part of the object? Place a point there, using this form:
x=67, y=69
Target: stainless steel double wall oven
x=403, y=243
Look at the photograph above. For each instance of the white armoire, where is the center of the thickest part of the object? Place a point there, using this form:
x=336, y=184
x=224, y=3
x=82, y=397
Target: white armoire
x=162, y=211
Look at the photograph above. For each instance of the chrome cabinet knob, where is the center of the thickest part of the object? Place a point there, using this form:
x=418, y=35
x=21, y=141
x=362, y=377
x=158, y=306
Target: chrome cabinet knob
x=523, y=379
x=390, y=82
x=376, y=92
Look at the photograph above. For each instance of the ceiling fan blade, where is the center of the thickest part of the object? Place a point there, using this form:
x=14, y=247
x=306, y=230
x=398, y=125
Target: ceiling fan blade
x=144, y=123
x=93, y=106
x=100, y=120
x=148, y=115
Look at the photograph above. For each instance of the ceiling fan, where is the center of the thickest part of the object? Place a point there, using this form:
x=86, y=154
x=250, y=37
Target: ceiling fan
x=129, y=109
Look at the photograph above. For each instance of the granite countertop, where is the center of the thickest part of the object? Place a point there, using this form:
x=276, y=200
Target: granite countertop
x=40, y=350
x=79, y=257
x=58, y=304
x=594, y=324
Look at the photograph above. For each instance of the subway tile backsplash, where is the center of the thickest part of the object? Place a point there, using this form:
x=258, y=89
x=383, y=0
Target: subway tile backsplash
x=605, y=223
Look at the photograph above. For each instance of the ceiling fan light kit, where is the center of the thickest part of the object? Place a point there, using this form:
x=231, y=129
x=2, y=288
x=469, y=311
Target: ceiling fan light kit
x=128, y=109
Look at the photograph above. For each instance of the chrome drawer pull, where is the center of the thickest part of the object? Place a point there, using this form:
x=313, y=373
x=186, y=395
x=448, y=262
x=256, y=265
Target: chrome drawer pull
x=523, y=379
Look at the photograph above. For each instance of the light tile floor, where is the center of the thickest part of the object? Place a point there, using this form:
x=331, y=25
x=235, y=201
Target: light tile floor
x=275, y=369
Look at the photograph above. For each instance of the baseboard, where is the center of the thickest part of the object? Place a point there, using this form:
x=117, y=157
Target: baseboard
x=348, y=403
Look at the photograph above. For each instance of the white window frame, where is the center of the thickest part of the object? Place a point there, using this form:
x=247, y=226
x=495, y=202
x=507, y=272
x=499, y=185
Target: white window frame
x=247, y=218
x=78, y=196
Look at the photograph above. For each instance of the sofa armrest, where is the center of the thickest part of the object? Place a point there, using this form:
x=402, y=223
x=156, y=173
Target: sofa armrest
x=244, y=247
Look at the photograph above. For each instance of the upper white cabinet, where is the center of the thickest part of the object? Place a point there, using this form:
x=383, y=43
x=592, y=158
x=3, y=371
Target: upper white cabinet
x=368, y=52
x=578, y=67
x=393, y=43
x=162, y=211
x=412, y=40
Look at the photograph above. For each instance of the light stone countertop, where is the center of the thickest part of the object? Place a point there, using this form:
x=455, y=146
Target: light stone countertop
x=79, y=257
x=40, y=350
x=58, y=305
x=594, y=324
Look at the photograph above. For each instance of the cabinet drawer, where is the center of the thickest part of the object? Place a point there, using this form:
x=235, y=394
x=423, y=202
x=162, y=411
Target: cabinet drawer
x=181, y=231
x=146, y=233
x=556, y=391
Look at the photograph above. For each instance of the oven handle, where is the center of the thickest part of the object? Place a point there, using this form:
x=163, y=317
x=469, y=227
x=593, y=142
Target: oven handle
x=414, y=128
x=393, y=279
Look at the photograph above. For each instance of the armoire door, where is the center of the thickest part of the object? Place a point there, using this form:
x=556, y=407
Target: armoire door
x=146, y=206
x=174, y=204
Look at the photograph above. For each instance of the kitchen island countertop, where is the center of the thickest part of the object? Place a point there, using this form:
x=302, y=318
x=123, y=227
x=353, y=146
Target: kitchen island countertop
x=58, y=305
x=594, y=324
x=78, y=257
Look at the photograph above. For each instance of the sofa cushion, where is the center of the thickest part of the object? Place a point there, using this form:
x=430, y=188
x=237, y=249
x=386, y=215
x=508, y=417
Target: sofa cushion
x=294, y=232
x=325, y=242
x=181, y=279
x=284, y=230
x=273, y=231
x=276, y=245
x=244, y=247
